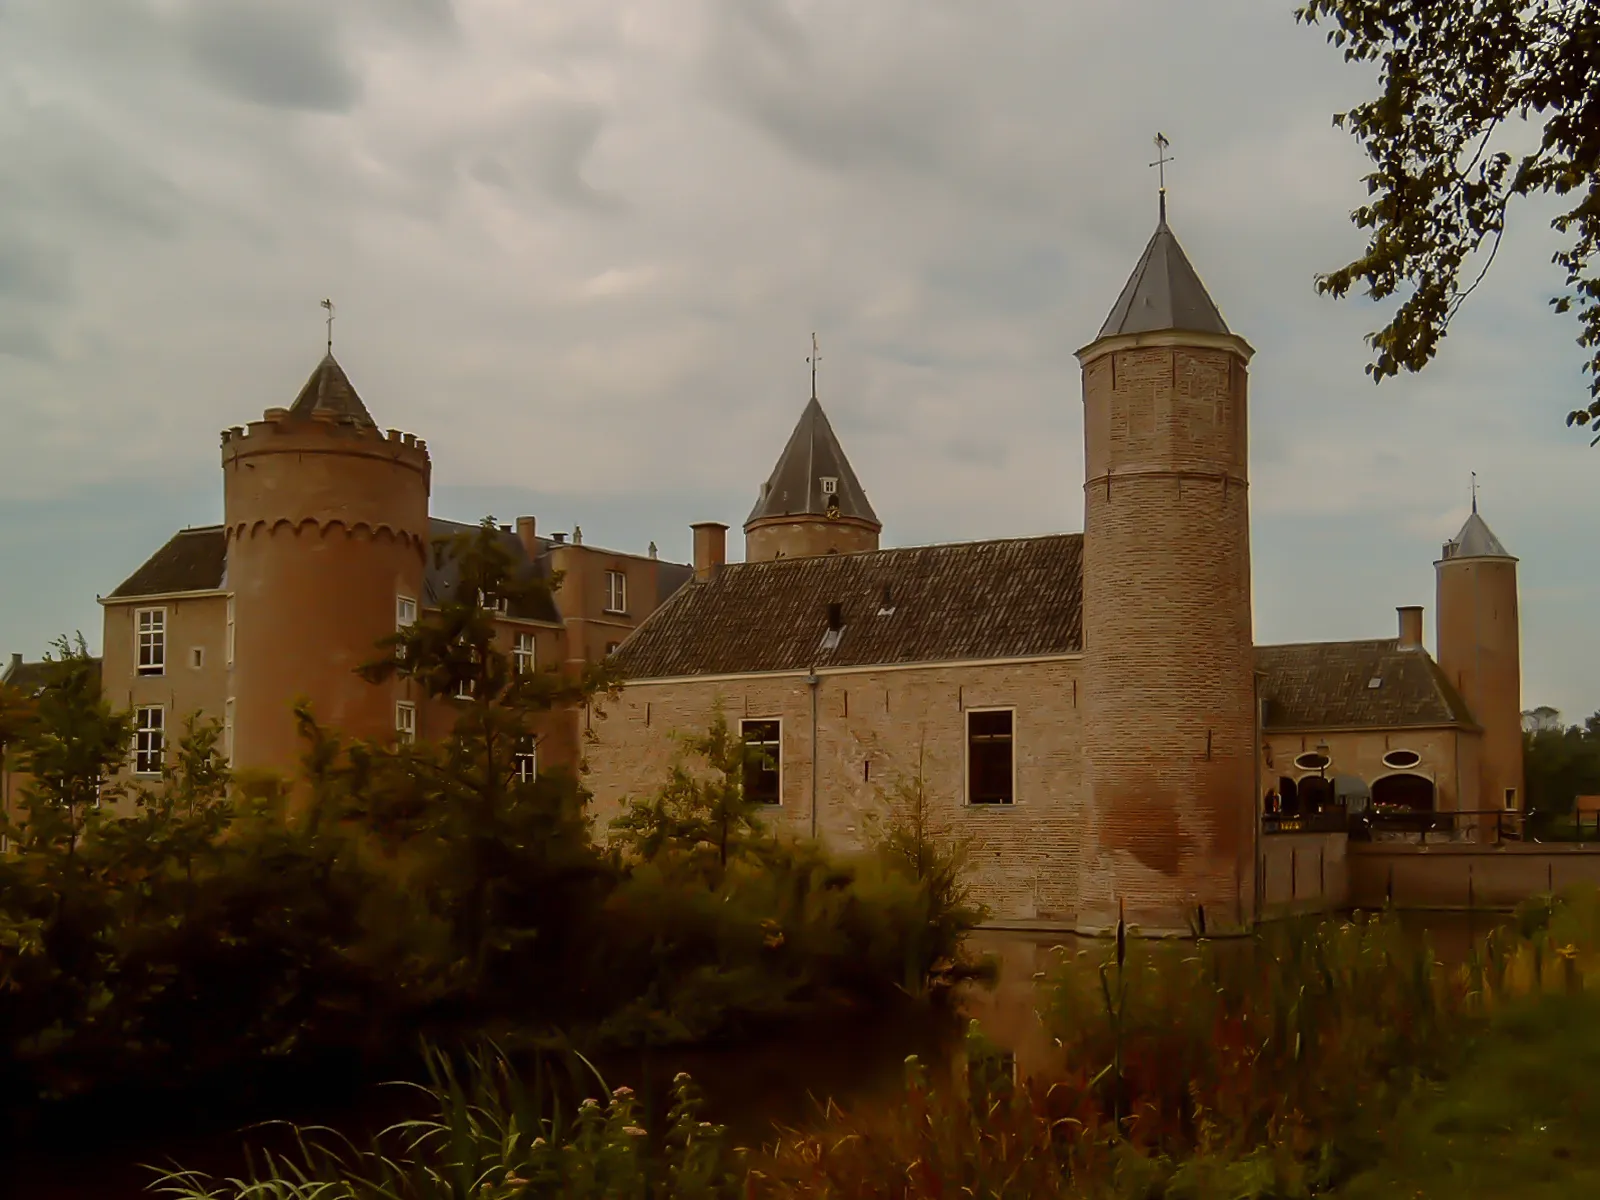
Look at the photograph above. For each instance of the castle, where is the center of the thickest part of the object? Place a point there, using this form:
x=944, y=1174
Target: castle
x=1090, y=709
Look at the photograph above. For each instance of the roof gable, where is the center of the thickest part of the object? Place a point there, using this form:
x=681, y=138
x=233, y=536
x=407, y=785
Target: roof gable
x=1327, y=685
x=812, y=454
x=193, y=560
x=1014, y=598
x=1164, y=292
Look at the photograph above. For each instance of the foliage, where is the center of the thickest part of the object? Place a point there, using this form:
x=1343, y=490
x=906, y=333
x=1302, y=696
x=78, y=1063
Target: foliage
x=1453, y=76
x=1560, y=765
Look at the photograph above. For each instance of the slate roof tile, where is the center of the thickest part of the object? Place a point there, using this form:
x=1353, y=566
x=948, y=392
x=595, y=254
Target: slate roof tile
x=1325, y=685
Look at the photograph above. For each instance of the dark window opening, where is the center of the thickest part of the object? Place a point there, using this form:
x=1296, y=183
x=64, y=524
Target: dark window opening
x=763, y=761
x=989, y=757
x=1288, y=795
x=1406, y=793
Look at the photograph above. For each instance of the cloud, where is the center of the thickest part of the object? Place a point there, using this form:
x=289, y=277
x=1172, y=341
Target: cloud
x=283, y=55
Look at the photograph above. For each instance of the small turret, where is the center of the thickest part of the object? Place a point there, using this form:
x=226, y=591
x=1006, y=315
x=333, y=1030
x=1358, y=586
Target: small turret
x=812, y=503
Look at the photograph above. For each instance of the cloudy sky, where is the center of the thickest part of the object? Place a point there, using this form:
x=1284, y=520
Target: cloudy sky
x=581, y=245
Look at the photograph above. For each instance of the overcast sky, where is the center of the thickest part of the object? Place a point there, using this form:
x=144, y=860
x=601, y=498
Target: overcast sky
x=580, y=246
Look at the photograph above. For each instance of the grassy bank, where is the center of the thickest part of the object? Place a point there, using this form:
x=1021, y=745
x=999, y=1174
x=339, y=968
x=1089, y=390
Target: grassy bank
x=1319, y=1058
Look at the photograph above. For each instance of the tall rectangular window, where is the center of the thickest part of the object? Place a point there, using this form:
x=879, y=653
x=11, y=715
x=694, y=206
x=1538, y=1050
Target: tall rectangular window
x=227, y=731
x=405, y=616
x=616, y=592
x=763, y=761
x=527, y=759
x=523, y=658
x=149, y=739
x=151, y=624
x=405, y=722
x=228, y=649
x=1511, y=798
x=991, y=763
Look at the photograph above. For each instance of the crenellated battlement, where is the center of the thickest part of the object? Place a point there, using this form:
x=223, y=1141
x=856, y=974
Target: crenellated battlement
x=280, y=431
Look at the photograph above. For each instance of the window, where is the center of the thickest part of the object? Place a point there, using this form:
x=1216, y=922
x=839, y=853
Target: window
x=991, y=778
x=149, y=739
x=616, y=592
x=152, y=626
x=763, y=761
x=1401, y=760
x=526, y=759
x=197, y=657
x=227, y=731
x=465, y=689
x=830, y=485
x=228, y=648
x=405, y=616
x=523, y=658
x=1312, y=761
x=492, y=603
x=1511, y=798
x=405, y=722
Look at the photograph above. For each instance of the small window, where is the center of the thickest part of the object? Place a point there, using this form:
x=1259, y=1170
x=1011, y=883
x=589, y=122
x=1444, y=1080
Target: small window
x=526, y=759
x=197, y=657
x=228, y=648
x=149, y=739
x=405, y=612
x=405, y=722
x=495, y=604
x=991, y=777
x=616, y=592
x=763, y=761
x=152, y=634
x=465, y=689
x=523, y=656
x=227, y=731
x=1511, y=799
x=830, y=485
x=1312, y=761
x=1401, y=760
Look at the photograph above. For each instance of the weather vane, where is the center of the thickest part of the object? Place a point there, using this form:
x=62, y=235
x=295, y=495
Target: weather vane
x=1162, y=159
x=815, y=358
x=328, y=304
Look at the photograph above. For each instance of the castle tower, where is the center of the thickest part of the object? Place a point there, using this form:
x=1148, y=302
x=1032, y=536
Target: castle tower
x=327, y=528
x=812, y=503
x=1169, y=721
x=1480, y=652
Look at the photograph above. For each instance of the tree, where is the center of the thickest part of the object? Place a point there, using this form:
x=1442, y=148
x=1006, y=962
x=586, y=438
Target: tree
x=1453, y=75
x=1561, y=765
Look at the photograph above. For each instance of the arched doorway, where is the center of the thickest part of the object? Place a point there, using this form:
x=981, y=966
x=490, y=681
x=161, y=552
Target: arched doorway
x=1316, y=794
x=1403, y=792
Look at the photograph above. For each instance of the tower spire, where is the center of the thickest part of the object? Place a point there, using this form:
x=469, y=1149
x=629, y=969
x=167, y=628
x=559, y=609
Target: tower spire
x=328, y=304
x=1162, y=159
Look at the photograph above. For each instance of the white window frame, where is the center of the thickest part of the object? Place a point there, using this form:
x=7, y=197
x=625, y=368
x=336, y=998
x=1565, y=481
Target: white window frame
x=524, y=653
x=616, y=591
x=227, y=731
x=228, y=649
x=149, y=740
x=150, y=630
x=526, y=762
x=405, y=722
x=494, y=604
x=778, y=721
x=405, y=616
x=966, y=756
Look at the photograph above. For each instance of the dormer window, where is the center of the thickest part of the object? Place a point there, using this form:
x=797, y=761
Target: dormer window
x=830, y=485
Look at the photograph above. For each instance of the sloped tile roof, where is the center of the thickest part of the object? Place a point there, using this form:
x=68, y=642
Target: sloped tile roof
x=329, y=390
x=193, y=560
x=1325, y=685
x=1013, y=598
x=1164, y=292
x=812, y=453
x=31, y=678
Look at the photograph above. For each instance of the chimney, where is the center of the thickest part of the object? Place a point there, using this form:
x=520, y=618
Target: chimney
x=559, y=538
x=528, y=535
x=16, y=662
x=710, y=549
x=1410, y=626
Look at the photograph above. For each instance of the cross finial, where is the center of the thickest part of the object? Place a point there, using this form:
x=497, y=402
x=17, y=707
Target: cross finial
x=815, y=358
x=1162, y=159
x=1474, y=492
x=328, y=304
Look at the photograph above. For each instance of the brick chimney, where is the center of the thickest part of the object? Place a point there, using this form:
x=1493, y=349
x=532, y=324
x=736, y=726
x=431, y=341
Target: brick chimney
x=710, y=549
x=1410, y=626
x=528, y=535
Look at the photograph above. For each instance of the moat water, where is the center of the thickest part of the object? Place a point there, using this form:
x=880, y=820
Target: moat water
x=753, y=1089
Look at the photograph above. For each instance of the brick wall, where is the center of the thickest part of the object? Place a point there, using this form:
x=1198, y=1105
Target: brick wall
x=873, y=727
x=806, y=537
x=1449, y=757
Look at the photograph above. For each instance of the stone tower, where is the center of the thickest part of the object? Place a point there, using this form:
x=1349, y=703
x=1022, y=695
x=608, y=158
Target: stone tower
x=1480, y=652
x=326, y=522
x=1169, y=720
x=812, y=503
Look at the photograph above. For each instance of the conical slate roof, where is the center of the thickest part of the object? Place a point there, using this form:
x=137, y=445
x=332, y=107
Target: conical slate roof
x=329, y=390
x=1476, y=540
x=812, y=455
x=1164, y=292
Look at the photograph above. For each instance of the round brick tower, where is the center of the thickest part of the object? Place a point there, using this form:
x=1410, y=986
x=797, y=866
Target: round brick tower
x=1169, y=725
x=327, y=525
x=1480, y=651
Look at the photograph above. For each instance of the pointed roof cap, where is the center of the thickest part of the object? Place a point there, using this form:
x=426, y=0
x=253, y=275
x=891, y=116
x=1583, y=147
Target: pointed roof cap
x=812, y=455
x=1476, y=540
x=1164, y=292
x=329, y=390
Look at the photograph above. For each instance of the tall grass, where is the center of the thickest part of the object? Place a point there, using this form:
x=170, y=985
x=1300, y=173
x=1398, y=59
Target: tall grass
x=1254, y=1069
